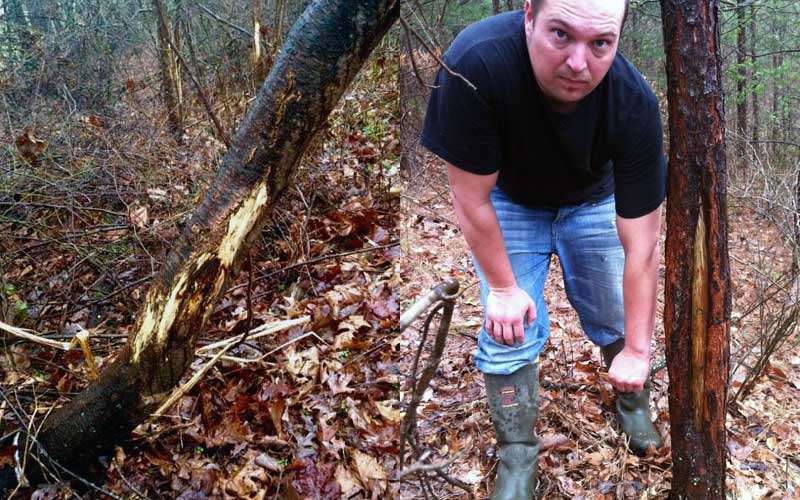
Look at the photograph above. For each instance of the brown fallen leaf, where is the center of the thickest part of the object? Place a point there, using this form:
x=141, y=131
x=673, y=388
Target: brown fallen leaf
x=370, y=472
x=347, y=481
x=558, y=442
x=29, y=146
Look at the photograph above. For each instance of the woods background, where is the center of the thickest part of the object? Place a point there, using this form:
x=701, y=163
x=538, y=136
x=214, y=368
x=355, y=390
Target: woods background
x=582, y=459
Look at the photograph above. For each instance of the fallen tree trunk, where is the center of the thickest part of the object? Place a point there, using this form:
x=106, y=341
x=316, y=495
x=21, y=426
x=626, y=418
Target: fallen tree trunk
x=321, y=56
x=697, y=290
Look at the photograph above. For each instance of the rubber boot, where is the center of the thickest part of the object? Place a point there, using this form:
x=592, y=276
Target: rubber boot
x=633, y=409
x=514, y=405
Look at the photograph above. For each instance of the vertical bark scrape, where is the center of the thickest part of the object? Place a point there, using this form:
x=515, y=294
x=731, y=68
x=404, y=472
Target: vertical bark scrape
x=699, y=322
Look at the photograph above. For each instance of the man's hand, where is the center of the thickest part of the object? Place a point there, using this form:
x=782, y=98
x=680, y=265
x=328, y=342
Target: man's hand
x=629, y=370
x=506, y=310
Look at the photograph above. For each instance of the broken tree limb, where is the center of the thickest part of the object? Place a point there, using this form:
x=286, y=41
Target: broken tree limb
x=443, y=296
x=321, y=56
x=32, y=337
x=444, y=290
x=81, y=338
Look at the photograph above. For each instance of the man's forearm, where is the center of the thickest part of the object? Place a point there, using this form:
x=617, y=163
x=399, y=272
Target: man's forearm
x=640, y=286
x=482, y=232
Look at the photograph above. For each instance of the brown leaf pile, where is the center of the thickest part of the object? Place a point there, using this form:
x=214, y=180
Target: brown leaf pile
x=310, y=412
x=583, y=454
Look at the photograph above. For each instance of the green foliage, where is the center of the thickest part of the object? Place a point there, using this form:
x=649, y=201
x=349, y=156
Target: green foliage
x=13, y=309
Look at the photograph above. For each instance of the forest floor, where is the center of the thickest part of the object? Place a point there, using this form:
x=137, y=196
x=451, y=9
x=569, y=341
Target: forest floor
x=308, y=411
x=583, y=455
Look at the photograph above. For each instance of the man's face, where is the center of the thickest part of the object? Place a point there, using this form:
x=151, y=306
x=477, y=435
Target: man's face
x=572, y=44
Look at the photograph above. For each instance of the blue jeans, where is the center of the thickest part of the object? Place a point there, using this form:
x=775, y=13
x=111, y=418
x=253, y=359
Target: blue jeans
x=587, y=244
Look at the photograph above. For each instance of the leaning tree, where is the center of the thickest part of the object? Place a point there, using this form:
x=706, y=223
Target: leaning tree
x=320, y=57
x=698, y=299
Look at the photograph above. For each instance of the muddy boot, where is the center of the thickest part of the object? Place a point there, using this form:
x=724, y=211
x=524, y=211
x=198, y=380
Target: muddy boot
x=633, y=409
x=514, y=404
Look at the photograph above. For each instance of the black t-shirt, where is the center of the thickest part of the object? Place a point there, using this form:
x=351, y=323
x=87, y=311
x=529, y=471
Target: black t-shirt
x=610, y=143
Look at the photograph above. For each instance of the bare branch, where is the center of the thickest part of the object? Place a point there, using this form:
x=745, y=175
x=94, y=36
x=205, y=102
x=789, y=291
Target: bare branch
x=225, y=21
x=432, y=53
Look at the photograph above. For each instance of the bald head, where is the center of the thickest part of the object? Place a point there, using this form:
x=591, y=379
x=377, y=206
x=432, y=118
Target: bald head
x=537, y=4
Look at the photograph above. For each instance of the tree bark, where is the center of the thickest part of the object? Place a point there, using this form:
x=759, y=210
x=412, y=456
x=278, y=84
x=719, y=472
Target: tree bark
x=322, y=54
x=697, y=295
x=741, y=81
x=170, y=71
x=495, y=6
x=509, y=5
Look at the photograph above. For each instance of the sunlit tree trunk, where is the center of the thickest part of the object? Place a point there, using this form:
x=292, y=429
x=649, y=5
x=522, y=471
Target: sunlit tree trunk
x=697, y=291
x=256, y=56
x=280, y=12
x=777, y=93
x=322, y=54
x=169, y=69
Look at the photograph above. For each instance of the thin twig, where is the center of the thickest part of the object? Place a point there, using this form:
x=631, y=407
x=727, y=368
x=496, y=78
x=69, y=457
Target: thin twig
x=312, y=261
x=259, y=331
x=280, y=347
x=414, y=61
x=432, y=53
x=182, y=390
x=51, y=460
x=224, y=21
x=421, y=466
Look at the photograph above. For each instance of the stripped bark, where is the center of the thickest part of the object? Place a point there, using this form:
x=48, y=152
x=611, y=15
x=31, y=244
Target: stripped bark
x=322, y=54
x=697, y=296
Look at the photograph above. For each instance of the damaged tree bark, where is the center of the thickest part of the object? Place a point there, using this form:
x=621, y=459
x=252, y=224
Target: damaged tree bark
x=322, y=54
x=697, y=295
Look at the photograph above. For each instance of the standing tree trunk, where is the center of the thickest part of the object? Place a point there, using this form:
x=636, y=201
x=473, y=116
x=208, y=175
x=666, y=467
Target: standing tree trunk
x=741, y=81
x=256, y=56
x=509, y=5
x=697, y=292
x=170, y=71
x=39, y=17
x=322, y=54
x=495, y=6
x=796, y=254
x=277, y=35
x=777, y=92
x=753, y=77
